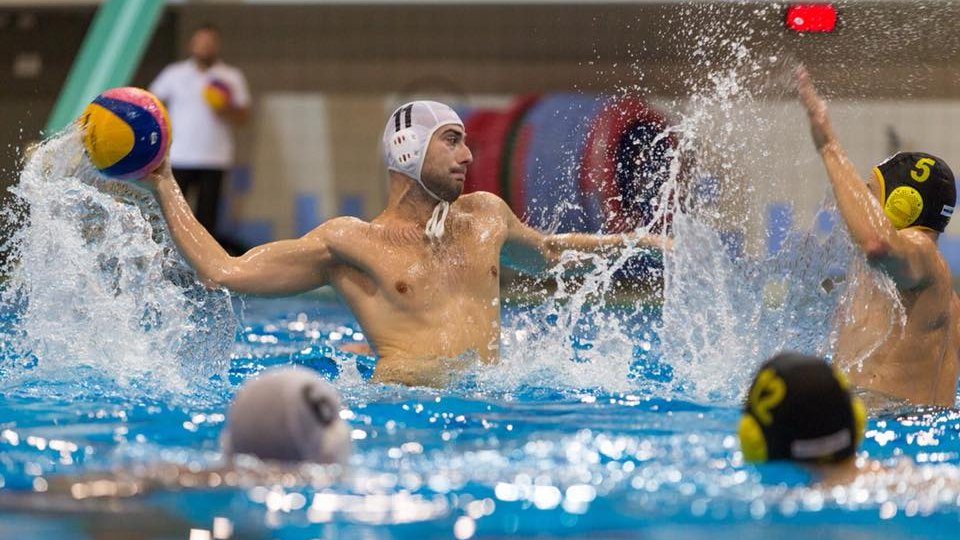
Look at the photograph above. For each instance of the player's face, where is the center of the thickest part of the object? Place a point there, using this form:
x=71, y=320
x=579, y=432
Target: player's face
x=445, y=165
x=205, y=46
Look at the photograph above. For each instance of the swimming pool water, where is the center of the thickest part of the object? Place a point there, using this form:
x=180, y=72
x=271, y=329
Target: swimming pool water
x=474, y=460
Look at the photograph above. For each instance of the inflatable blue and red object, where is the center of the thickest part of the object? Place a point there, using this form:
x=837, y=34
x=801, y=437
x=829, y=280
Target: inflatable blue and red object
x=574, y=162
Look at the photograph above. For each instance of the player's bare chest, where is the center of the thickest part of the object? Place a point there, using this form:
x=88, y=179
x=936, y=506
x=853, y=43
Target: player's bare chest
x=450, y=267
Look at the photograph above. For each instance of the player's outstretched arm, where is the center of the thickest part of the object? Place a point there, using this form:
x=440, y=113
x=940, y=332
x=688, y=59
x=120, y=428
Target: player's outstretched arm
x=529, y=250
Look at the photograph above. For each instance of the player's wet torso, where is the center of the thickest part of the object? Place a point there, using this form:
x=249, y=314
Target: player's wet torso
x=908, y=352
x=428, y=307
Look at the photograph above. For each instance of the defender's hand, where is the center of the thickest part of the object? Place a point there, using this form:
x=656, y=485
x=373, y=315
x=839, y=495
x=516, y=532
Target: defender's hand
x=820, y=126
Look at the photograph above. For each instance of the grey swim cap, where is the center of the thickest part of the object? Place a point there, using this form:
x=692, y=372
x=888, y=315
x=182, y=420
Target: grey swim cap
x=287, y=414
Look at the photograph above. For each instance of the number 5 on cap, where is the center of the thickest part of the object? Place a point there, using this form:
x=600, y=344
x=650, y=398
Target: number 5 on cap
x=921, y=171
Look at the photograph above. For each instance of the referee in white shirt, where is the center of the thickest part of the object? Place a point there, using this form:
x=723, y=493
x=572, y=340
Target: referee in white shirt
x=206, y=98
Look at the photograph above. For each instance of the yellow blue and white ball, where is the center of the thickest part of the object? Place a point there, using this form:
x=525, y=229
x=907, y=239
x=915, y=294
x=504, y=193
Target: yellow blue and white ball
x=126, y=132
x=217, y=94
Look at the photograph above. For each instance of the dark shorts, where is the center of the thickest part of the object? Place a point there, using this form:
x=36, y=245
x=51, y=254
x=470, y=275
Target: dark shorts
x=206, y=183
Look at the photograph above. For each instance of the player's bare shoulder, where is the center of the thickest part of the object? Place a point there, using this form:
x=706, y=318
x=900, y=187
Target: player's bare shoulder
x=918, y=239
x=342, y=234
x=489, y=213
x=338, y=227
x=925, y=249
x=483, y=204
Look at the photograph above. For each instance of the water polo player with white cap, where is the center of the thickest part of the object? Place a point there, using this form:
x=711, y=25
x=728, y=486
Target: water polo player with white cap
x=900, y=342
x=423, y=276
x=406, y=138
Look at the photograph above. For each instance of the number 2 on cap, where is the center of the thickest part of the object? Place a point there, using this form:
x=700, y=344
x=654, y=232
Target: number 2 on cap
x=921, y=171
x=766, y=394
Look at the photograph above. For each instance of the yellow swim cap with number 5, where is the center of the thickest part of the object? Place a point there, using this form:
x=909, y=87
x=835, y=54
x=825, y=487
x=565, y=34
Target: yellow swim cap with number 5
x=916, y=190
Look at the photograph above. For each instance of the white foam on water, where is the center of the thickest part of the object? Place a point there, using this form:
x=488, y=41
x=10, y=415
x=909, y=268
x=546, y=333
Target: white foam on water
x=98, y=287
x=572, y=340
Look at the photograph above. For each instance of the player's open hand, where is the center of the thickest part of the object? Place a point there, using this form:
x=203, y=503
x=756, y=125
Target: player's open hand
x=820, y=126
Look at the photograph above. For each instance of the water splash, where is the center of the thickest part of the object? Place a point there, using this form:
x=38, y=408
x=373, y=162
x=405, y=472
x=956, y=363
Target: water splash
x=574, y=339
x=727, y=305
x=99, y=295
x=723, y=315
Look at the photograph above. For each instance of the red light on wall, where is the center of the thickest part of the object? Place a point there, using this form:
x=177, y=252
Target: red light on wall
x=812, y=17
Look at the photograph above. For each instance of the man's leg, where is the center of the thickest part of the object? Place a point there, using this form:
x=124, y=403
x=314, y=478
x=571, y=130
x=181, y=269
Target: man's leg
x=208, y=197
x=186, y=179
x=207, y=183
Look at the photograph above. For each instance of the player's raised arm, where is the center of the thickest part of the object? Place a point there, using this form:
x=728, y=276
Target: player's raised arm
x=912, y=197
x=277, y=268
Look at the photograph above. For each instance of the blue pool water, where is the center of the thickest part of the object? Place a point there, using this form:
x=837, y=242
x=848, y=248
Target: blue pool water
x=474, y=460
x=116, y=371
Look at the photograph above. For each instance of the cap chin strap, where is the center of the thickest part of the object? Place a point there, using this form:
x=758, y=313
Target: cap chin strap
x=436, y=225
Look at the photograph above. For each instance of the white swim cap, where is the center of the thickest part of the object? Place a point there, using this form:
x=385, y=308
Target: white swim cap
x=405, y=140
x=287, y=414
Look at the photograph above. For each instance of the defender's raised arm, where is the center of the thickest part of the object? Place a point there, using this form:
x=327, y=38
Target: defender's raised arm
x=885, y=224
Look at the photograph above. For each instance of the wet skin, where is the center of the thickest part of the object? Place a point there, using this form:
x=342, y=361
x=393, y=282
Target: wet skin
x=428, y=307
x=916, y=361
x=914, y=358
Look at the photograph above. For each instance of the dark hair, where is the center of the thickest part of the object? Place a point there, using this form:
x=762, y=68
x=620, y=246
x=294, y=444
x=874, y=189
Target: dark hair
x=206, y=27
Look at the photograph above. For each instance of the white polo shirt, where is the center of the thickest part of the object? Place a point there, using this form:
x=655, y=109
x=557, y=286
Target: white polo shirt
x=201, y=138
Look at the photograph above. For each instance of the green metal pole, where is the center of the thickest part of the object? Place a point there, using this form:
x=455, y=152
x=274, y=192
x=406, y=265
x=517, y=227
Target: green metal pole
x=109, y=55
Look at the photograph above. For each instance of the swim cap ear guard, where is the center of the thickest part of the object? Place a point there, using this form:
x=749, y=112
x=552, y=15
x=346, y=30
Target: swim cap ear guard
x=799, y=408
x=752, y=442
x=917, y=190
x=320, y=405
x=405, y=146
